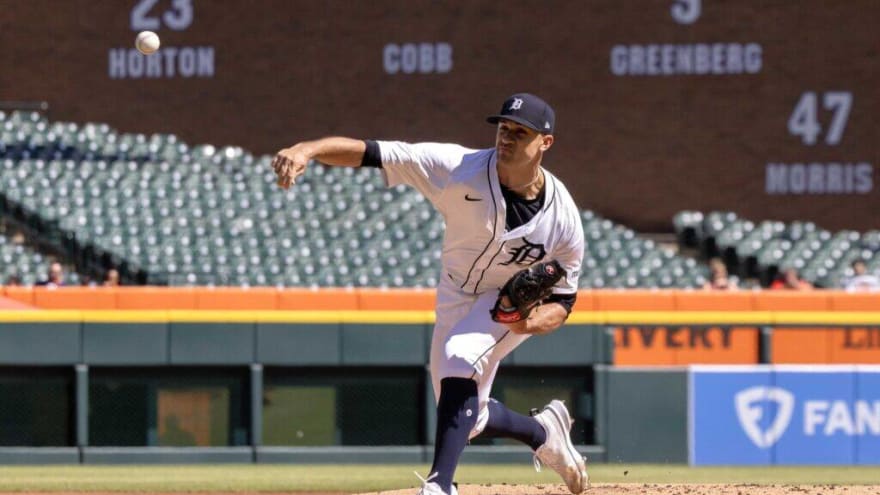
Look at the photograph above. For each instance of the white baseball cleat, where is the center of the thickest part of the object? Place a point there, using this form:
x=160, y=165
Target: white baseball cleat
x=431, y=488
x=558, y=452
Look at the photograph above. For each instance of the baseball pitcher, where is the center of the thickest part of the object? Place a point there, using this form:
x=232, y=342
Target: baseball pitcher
x=511, y=260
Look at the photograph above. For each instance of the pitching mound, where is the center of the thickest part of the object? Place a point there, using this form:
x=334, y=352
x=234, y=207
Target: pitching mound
x=657, y=489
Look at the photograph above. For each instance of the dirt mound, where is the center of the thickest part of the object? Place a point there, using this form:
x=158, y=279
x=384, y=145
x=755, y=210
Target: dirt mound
x=657, y=489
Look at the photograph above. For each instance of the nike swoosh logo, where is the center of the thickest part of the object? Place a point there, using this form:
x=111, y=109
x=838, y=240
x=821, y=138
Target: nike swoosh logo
x=468, y=198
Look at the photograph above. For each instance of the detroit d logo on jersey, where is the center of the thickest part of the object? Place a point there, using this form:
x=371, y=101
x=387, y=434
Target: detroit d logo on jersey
x=527, y=254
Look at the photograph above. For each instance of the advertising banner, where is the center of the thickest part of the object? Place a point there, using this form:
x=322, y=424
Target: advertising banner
x=647, y=345
x=787, y=415
x=835, y=345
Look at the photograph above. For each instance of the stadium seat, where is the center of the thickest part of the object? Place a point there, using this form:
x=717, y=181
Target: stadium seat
x=208, y=215
x=822, y=257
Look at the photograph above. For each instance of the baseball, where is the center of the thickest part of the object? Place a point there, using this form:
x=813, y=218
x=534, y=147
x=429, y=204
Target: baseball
x=147, y=42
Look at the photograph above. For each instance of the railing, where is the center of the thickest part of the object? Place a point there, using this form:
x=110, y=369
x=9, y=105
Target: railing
x=337, y=299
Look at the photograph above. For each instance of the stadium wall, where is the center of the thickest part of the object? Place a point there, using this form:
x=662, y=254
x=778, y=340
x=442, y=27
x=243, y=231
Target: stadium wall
x=273, y=386
x=377, y=299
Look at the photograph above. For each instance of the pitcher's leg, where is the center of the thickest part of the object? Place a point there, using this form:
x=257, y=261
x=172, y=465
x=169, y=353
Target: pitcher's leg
x=505, y=423
x=464, y=360
x=455, y=392
x=482, y=351
x=456, y=417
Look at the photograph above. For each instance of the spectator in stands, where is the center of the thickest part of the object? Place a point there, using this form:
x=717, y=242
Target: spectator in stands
x=111, y=278
x=56, y=276
x=17, y=238
x=13, y=280
x=789, y=279
x=719, y=279
x=861, y=281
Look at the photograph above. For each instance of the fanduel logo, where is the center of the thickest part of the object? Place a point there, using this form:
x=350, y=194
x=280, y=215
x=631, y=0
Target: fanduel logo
x=750, y=407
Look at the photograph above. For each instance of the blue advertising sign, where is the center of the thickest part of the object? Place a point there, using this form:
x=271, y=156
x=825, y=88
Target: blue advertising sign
x=867, y=418
x=784, y=415
x=821, y=432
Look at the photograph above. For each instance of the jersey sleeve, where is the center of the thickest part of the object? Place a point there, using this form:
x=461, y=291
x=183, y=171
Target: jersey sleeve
x=570, y=255
x=424, y=166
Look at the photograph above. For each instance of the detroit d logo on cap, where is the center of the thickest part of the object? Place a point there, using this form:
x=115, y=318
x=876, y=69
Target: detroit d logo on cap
x=517, y=104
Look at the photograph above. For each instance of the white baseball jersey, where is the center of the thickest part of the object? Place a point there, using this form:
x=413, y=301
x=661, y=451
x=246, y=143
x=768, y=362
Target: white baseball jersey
x=478, y=253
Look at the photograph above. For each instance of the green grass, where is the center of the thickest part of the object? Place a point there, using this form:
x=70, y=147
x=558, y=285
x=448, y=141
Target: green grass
x=360, y=478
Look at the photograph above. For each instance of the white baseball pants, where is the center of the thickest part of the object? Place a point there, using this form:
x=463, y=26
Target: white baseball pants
x=467, y=344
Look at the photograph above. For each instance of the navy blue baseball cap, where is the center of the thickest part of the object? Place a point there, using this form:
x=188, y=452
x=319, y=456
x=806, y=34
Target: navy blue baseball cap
x=528, y=110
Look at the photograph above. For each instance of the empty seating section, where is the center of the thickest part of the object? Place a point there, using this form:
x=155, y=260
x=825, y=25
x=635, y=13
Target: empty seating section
x=615, y=257
x=760, y=250
x=206, y=215
x=28, y=265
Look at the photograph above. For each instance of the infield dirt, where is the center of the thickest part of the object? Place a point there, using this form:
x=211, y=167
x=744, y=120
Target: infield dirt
x=550, y=489
x=658, y=489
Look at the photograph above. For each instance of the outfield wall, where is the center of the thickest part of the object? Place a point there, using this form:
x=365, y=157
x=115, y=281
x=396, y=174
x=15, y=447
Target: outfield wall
x=649, y=327
x=108, y=387
x=374, y=299
x=281, y=386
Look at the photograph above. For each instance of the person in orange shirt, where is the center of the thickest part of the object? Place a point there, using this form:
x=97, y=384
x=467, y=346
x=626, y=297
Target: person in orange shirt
x=790, y=280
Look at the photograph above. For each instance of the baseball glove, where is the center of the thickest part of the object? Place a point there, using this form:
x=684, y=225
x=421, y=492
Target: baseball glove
x=525, y=290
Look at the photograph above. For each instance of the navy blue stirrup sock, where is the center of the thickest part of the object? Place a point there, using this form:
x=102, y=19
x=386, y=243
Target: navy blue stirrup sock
x=456, y=416
x=505, y=423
